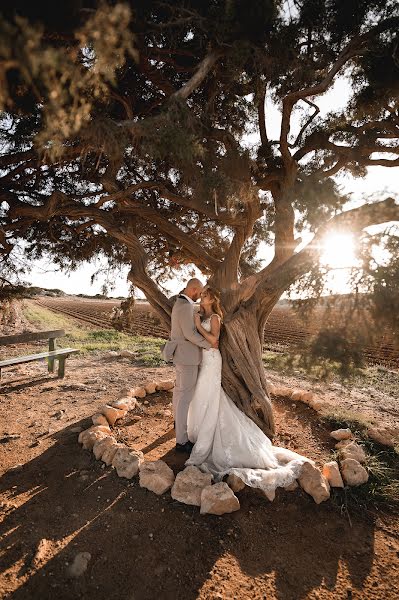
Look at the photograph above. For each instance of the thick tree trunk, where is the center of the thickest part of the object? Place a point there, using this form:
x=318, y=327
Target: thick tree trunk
x=243, y=374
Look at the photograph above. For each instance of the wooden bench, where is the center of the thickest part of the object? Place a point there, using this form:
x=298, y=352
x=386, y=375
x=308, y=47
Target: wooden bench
x=53, y=353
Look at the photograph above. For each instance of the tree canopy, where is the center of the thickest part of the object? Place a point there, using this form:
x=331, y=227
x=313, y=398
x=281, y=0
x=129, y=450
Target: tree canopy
x=125, y=132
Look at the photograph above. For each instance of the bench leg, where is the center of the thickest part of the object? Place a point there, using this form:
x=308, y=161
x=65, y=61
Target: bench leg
x=61, y=366
x=51, y=347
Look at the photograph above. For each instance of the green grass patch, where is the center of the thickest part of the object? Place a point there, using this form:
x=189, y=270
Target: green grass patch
x=86, y=339
x=381, y=492
x=380, y=378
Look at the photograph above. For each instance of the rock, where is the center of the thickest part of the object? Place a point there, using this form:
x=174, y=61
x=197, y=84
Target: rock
x=218, y=499
x=341, y=434
x=332, y=474
x=101, y=445
x=342, y=444
x=76, y=429
x=164, y=386
x=314, y=483
x=139, y=392
x=40, y=553
x=126, y=354
x=91, y=438
x=95, y=429
x=124, y=404
x=292, y=486
x=156, y=476
x=382, y=436
x=112, y=414
x=315, y=403
x=270, y=495
x=99, y=419
x=308, y=397
x=189, y=484
x=79, y=565
x=150, y=388
x=296, y=395
x=284, y=392
x=271, y=389
x=235, y=483
x=127, y=462
x=127, y=393
x=353, y=450
x=113, y=354
x=353, y=472
x=109, y=452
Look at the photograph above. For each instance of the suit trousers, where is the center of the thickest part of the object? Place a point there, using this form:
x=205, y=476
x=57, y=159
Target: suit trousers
x=186, y=378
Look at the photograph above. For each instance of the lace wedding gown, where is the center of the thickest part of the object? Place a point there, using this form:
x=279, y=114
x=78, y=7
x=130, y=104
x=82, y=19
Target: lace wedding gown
x=229, y=442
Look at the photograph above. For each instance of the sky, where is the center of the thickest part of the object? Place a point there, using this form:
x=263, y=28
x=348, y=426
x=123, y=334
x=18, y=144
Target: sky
x=381, y=181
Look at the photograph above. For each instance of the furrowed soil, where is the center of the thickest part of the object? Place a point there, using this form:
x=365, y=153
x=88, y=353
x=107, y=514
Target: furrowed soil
x=62, y=501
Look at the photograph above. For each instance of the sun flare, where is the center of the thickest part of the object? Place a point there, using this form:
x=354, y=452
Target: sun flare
x=338, y=251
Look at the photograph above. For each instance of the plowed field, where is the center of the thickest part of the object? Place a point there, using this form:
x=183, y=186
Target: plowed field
x=283, y=330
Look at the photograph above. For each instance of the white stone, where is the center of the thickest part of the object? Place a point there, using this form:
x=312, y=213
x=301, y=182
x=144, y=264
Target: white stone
x=353, y=472
x=342, y=444
x=382, y=436
x=109, y=452
x=218, y=499
x=353, y=450
x=284, y=392
x=341, y=434
x=126, y=354
x=156, y=476
x=112, y=414
x=99, y=419
x=270, y=495
x=151, y=387
x=308, y=398
x=314, y=483
x=292, y=486
x=127, y=462
x=101, y=445
x=164, y=386
x=235, y=483
x=79, y=565
x=93, y=429
x=124, y=404
x=332, y=474
x=189, y=484
x=91, y=438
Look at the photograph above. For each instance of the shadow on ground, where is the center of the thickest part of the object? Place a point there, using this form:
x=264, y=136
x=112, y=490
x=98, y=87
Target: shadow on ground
x=145, y=547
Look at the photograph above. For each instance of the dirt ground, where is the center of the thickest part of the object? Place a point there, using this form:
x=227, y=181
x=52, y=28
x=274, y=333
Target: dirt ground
x=143, y=546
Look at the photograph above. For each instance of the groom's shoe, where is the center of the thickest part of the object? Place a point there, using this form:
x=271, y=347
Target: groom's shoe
x=187, y=447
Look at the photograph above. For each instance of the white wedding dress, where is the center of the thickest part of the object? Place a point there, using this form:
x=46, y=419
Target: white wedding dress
x=229, y=442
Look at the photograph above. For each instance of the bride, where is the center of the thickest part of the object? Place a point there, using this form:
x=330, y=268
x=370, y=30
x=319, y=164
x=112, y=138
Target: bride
x=226, y=441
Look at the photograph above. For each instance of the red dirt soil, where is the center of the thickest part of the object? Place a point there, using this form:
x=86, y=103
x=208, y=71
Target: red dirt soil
x=145, y=547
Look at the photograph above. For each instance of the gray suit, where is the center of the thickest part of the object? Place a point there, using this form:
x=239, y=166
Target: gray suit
x=186, y=346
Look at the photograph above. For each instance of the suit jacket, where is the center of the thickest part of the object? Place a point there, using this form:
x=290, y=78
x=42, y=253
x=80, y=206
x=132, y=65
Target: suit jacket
x=186, y=344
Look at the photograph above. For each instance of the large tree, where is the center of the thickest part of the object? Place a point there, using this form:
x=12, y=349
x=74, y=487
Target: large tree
x=125, y=132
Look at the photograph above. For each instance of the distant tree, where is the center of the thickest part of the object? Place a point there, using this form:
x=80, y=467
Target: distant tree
x=123, y=135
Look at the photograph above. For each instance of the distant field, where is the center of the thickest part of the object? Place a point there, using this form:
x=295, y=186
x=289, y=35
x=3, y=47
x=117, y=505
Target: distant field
x=283, y=330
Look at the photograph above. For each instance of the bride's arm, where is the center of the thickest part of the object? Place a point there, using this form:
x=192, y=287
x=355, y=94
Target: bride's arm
x=213, y=335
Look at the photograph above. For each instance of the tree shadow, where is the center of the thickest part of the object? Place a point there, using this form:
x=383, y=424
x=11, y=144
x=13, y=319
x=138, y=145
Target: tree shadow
x=143, y=546
x=14, y=386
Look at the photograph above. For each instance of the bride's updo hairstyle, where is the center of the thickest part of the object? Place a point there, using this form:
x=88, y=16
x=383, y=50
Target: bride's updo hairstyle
x=214, y=295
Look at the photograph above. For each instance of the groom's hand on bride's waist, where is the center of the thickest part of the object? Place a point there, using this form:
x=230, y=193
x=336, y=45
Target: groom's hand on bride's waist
x=215, y=345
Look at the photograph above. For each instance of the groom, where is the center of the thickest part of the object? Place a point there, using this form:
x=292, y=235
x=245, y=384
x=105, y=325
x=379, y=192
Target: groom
x=187, y=344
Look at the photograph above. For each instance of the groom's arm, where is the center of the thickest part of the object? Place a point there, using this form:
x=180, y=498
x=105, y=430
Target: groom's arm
x=189, y=330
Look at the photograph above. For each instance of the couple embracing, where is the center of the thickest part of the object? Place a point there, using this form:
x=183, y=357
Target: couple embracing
x=218, y=437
